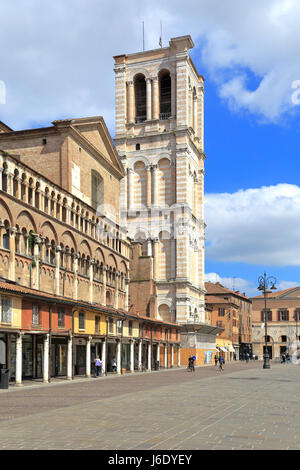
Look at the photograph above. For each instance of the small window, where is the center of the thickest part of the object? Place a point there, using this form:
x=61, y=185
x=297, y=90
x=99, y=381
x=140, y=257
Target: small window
x=111, y=325
x=97, y=324
x=119, y=327
x=6, y=314
x=138, y=147
x=81, y=320
x=35, y=314
x=221, y=312
x=130, y=327
x=61, y=318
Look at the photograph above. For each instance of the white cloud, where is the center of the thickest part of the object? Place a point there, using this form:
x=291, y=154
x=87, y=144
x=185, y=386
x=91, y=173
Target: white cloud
x=57, y=60
x=233, y=283
x=255, y=226
x=245, y=286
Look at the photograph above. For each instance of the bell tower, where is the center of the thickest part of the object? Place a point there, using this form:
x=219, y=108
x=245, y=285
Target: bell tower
x=159, y=137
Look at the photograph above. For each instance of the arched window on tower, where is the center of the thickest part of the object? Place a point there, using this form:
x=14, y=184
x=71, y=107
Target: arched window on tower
x=165, y=95
x=140, y=98
x=97, y=189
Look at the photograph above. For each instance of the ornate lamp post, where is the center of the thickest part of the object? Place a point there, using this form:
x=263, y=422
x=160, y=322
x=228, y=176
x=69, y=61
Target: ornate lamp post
x=266, y=285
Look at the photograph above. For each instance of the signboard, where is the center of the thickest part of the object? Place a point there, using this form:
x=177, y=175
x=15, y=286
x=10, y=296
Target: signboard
x=208, y=357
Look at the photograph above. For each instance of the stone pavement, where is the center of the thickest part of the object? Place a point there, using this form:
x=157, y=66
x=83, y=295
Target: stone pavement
x=244, y=407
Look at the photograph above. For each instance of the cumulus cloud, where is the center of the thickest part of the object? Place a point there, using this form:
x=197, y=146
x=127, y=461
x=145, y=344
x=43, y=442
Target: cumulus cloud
x=57, y=60
x=233, y=283
x=256, y=226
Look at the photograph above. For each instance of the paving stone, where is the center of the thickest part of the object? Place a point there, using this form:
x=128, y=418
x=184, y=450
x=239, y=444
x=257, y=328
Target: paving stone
x=242, y=408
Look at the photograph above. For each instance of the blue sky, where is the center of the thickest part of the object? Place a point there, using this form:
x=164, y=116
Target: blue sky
x=58, y=64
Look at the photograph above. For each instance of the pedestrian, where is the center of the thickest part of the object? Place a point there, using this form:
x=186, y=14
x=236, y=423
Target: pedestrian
x=98, y=365
x=287, y=358
x=221, y=362
x=247, y=357
x=283, y=358
x=191, y=364
x=216, y=360
x=114, y=364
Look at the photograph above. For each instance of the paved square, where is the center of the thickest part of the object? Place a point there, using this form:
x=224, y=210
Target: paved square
x=244, y=407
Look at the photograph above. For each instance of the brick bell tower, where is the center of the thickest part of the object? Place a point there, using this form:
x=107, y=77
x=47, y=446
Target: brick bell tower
x=159, y=137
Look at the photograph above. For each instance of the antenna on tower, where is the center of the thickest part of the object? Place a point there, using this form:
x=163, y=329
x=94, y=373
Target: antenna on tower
x=160, y=37
x=143, y=36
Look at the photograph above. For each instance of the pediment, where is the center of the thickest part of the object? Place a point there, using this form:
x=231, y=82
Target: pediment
x=292, y=293
x=95, y=132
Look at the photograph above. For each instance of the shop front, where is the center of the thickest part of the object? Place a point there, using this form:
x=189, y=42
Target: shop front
x=111, y=354
x=59, y=356
x=80, y=356
x=125, y=358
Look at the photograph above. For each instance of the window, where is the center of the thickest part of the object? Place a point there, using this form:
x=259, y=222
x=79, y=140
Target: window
x=110, y=325
x=81, y=320
x=283, y=339
x=140, y=98
x=119, y=327
x=283, y=315
x=268, y=314
x=61, y=318
x=6, y=313
x=97, y=189
x=140, y=329
x=97, y=324
x=6, y=240
x=221, y=312
x=35, y=314
x=130, y=327
x=297, y=314
x=165, y=96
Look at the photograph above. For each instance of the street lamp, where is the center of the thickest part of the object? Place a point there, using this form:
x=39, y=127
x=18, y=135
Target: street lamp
x=266, y=285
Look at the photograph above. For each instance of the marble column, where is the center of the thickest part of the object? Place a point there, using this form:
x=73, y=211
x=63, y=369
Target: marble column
x=155, y=113
x=148, y=99
x=88, y=357
x=46, y=359
x=19, y=359
x=70, y=356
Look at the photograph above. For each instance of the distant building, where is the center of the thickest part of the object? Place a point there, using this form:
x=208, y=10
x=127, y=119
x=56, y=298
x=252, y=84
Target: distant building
x=233, y=312
x=283, y=322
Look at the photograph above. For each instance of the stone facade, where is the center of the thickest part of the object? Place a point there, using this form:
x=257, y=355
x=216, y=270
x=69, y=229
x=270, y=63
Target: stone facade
x=62, y=244
x=159, y=137
x=232, y=311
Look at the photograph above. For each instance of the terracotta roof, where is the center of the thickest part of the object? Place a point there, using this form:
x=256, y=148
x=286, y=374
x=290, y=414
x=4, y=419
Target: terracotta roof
x=217, y=288
x=276, y=294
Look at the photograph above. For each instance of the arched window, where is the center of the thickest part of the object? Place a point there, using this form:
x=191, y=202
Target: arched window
x=97, y=189
x=140, y=98
x=165, y=95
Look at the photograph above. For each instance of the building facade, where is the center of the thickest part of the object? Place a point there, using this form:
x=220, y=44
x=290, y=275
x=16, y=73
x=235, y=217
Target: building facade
x=160, y=140
x=233, y=312
x=60, y=236
x=283, y=317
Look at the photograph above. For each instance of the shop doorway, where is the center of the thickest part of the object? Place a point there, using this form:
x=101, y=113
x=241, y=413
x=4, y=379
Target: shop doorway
x=59, y=358
x=80, y=360
x=111, y=354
